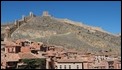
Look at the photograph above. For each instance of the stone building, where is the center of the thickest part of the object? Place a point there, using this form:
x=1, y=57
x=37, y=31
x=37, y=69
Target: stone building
x=69, y=64
x=56, y=56
x=7, y=34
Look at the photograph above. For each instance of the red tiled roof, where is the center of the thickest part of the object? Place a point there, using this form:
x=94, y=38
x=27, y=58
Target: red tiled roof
x=12, y=57
x=69, y=60
x=57, y=55
x=10, y=43
x=51, y=53
x=27, y=55
x=72, y=50
x=20, y=40
x=63, y=52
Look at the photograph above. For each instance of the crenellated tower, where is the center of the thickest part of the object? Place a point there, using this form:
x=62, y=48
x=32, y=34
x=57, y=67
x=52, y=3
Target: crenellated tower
x=7, y=34
x=45, y=13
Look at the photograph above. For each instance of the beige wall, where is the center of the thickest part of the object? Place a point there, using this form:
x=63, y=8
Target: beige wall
x=73, y=65
x=85, y=65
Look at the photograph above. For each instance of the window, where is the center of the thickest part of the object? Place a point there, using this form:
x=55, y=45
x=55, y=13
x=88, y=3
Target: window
x=96, y=67
x=64, y=66
x=110, y=63
x=102, y=67
x=77, y=66
x=111, y=67
x=60, y=67
x=69, y=66
x=56, y=67
x=106, y=55
x=12, y=49
x=23, y=44
x=5, y=55
x=8, y=50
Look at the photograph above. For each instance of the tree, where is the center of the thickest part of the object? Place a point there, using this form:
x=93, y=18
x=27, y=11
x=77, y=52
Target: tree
x=41, y=63
x=110, y=50
x=30, y=63
x=34, y=64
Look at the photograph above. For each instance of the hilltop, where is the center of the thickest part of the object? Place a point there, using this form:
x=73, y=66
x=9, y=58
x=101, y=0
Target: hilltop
x=64, y=32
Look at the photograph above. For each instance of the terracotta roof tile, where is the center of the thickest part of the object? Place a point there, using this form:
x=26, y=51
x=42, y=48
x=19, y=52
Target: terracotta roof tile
x=72, y=50
x=27, y=55
x=69, y=60
x=12, y=57
x=10, y=43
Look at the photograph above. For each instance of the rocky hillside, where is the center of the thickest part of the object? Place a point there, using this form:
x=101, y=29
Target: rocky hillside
x=68, y=34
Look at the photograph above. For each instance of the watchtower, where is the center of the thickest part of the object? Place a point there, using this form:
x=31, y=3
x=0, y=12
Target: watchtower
x=23, y=18
x=7, y=33
x=45, y=13
x=31, y=14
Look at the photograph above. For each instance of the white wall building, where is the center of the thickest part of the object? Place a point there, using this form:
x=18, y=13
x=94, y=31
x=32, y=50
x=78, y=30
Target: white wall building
x=69, y=64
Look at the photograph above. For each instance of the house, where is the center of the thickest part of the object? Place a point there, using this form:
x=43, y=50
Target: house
x=69, y=64
x=15, y=51
x=114, y=64
x=101, y=65
x=36, y=46
x=25, y=49
x=56, y=56
x=2, y=45
x=14, y=60
x=88, y=60
x=11, y=60
x=11, y=47
x=49, y=59
x=118, y=64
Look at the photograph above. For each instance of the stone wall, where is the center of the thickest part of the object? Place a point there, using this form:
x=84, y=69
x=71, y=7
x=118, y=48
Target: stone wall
x=18, y=23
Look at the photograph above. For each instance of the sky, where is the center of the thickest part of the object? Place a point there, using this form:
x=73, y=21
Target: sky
x=104, y=14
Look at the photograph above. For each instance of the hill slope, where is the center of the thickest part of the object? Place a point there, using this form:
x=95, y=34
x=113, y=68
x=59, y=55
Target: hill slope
x=68, y=34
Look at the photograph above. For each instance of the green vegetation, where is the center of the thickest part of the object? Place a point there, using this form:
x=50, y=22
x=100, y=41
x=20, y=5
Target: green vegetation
x=33, y=64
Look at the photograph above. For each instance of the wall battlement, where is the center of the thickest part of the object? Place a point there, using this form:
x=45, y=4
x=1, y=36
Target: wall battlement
x=45, y=13
x=18, y=23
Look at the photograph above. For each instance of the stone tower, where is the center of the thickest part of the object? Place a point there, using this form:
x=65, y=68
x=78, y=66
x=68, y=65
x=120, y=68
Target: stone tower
x=16, y=23
x=45, y=13
x=7, y=33
x=31, y=14
x=23, y=18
